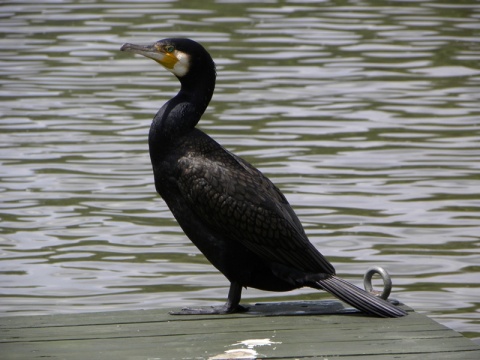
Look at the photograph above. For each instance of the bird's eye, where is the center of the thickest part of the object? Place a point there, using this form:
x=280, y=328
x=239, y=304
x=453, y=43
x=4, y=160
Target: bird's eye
x=169, y=48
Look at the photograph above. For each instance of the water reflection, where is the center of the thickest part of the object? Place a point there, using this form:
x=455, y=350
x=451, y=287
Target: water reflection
x=365, y=115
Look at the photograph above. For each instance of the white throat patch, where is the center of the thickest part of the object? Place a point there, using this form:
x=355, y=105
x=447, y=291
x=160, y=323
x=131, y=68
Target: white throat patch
x=182, y=66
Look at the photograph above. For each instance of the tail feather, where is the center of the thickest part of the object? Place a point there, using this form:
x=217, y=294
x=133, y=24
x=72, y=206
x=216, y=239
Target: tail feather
x=359, y=298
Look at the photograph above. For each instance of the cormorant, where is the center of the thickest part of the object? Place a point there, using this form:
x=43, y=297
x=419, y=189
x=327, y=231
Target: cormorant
x=233, y=213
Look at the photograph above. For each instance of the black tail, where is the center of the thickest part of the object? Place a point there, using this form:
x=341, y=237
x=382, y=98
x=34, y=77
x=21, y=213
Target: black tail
x=359, y=298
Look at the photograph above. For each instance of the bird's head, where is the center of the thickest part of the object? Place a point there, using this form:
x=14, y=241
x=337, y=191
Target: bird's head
x=177, y=55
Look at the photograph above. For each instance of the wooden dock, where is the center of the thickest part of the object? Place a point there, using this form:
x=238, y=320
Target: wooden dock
x=299, y=330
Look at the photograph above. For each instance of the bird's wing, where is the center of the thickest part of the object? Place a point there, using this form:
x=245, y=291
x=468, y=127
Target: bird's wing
x=235, y=199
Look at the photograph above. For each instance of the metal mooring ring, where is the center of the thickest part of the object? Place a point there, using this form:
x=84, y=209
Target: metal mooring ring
x=387, y=282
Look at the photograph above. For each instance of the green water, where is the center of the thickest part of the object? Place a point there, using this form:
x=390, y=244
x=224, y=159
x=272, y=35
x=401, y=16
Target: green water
x=365, y=113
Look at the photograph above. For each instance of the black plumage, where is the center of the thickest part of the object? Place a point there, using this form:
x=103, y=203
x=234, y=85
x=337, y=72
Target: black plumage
x=235, y=215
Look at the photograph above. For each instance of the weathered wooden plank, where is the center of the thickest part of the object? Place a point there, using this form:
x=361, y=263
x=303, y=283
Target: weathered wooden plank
x=264, y=309
x=378, y=327
x=195, y=347
x=157, y=335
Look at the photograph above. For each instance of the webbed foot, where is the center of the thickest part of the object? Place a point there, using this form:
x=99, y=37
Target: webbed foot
x=210, y=310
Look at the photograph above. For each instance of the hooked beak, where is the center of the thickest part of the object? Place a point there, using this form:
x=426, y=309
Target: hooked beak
x=155, y=52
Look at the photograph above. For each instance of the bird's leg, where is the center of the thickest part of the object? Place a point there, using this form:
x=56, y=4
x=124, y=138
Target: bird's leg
x=233, y=302
x=231, y=306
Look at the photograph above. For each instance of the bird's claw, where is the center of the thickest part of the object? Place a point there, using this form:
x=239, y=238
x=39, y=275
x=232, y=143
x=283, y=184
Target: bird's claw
x=211, y=310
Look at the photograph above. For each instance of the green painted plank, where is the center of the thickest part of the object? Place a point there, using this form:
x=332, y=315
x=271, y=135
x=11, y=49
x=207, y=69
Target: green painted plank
x=289, y=345
x=379, y=327
x=145, y=316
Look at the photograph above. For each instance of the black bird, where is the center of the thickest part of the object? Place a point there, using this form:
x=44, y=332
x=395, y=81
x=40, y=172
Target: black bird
x=233, y=213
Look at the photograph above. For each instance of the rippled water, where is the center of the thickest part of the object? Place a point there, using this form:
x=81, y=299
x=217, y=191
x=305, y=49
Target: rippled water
x=367, y=116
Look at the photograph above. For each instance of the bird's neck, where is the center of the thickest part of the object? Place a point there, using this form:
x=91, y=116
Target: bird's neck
x=181, y=114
